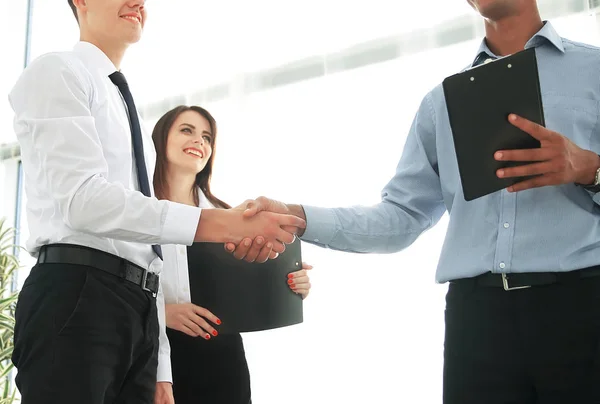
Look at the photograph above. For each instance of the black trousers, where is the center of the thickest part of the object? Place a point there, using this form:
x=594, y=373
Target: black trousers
x=213, y=371
x=532, y=346
x=84, y=336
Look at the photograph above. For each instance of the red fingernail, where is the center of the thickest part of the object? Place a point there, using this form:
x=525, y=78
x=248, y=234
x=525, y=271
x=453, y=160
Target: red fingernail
x=291, y=281
x=207, y=336
x=215, y=333
x=218, y=321
x=290, y=275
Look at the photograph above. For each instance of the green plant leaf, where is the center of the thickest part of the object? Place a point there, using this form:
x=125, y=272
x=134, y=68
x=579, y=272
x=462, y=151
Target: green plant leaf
x=8, y=265
x=5, y=371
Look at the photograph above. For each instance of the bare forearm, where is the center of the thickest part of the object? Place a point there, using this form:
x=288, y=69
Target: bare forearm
x=230, y=226
x=213, y=227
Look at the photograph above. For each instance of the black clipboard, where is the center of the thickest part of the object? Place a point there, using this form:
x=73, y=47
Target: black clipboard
x=245, y=296
x=479, y=101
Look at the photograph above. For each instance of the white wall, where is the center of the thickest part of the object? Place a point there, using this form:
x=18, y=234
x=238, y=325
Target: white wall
x=8, y=185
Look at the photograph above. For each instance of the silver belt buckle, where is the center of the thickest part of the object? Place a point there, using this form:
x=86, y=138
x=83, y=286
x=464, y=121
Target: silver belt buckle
x=507, y=286
x=144, y=282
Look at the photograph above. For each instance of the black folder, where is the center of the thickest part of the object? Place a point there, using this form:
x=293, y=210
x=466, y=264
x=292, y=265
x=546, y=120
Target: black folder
x=479, y=101
x=245, y=296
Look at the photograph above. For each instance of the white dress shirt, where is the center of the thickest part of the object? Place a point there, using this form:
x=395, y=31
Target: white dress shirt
x=80, y=177
x=175, y=280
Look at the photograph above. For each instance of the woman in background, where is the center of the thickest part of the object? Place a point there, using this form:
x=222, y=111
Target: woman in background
x=206, y=368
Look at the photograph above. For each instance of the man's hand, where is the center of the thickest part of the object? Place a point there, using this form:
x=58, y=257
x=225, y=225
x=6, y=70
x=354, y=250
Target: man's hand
x=232, y=226
x=254, y=250
x=260, y=251
x=558, y=160
x=164, y=393
x=252, y=207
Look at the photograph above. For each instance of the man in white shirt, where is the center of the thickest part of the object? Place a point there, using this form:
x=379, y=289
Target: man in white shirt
x=87, y=322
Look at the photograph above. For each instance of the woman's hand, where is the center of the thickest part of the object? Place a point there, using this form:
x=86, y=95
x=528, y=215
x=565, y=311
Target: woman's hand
x=191, y=320
x=164, y=393
x=299, y=281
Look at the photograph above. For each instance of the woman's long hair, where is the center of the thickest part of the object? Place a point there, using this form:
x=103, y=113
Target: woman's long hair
x=160, y=135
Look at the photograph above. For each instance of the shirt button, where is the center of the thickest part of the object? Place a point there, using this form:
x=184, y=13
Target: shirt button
x=506, y=225
x=186, y=289
x=182, y=250
x=316, y=240
x=502, y=265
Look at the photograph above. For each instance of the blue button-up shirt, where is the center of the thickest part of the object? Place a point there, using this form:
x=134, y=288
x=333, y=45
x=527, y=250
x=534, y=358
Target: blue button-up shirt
x=554, y=228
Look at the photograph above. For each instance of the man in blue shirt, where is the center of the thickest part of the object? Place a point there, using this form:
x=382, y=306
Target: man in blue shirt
x=523, y=306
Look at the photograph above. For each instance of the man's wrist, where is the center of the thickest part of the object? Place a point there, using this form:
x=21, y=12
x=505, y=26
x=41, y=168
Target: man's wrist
x=298, y=210
x=213, y=226
x=588, y=178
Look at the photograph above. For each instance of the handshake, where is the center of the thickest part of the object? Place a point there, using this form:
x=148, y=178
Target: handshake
x=255, y=231
x=290, y=219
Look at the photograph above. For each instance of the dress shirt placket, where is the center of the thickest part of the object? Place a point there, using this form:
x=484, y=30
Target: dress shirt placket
x=506, y=231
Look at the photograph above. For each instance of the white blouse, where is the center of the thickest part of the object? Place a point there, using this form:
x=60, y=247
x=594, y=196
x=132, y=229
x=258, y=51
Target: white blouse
x=175, y=280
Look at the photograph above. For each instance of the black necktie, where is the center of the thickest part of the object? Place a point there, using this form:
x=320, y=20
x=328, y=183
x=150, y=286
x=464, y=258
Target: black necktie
x=136, y=135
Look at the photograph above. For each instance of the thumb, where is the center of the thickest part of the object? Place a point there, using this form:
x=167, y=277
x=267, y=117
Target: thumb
x=251, y=209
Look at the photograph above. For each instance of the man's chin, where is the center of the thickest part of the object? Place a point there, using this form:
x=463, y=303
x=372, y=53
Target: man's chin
x=134, y=40
x=498, y=11
x=133, y=37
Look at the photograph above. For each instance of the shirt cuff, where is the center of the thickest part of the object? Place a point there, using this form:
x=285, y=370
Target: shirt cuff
x=164, y=373
x=181, y=223
x=320, y=225
x=594, y=195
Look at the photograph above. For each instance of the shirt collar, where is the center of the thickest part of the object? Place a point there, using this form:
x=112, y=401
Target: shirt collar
x=94, y=58
x=203, y=200
x=546, y=34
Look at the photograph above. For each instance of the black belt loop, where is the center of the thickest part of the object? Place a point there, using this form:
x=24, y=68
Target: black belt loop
x=106, y=262
x=42, y=253
x=123, y=269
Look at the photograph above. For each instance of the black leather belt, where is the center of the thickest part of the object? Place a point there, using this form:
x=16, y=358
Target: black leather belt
x=80, y=255
x=514, y=281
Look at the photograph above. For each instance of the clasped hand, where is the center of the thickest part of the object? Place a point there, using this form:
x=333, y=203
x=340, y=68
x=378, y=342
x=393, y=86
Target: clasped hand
x=260, y=249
